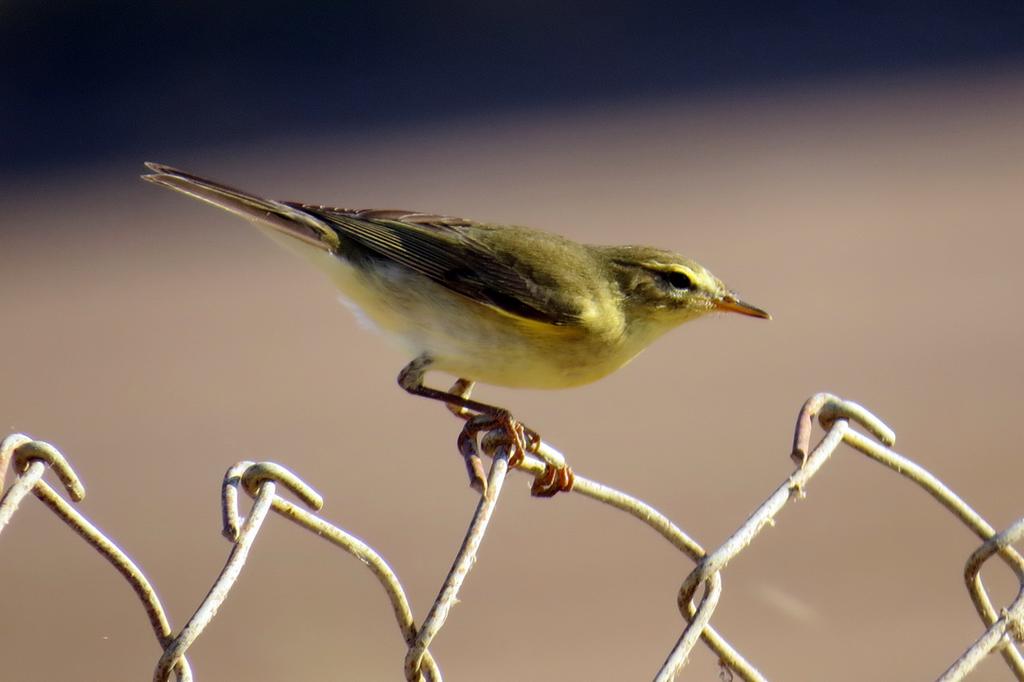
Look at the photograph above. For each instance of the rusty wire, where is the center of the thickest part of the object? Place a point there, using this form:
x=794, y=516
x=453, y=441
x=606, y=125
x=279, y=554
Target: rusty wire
x=29, y=459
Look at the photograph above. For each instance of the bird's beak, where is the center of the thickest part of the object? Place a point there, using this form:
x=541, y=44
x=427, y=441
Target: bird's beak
x=731, y=303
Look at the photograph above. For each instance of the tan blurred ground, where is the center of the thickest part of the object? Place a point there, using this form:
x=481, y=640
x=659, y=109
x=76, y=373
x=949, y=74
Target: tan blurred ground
x=156, y=341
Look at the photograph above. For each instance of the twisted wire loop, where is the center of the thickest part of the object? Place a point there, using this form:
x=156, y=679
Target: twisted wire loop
x=835, y=416
x=1008, y=627
x=29, y=459
x=1003, y=627
x=970, y=518
x=251, y=475
x=261, y=481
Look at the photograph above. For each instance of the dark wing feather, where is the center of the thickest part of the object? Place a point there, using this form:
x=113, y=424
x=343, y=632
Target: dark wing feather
x=445, y=250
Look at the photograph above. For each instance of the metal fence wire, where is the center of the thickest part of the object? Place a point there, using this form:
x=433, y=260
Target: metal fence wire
x=1004, y=627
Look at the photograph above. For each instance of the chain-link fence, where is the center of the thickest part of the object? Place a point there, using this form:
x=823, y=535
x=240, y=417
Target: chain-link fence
x=1004, y=627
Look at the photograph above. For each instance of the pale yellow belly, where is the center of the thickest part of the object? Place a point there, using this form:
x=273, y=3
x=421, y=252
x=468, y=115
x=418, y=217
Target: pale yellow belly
x=470, y=340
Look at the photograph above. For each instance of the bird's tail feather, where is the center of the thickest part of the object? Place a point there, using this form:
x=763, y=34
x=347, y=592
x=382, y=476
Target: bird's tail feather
x=280, y=216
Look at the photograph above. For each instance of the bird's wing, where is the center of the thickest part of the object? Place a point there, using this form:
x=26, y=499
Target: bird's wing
x=448, y=251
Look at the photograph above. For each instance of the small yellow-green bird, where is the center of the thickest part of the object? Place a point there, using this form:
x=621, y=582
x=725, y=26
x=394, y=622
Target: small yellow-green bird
x=499, y=304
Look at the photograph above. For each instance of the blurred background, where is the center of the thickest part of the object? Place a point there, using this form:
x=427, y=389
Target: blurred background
x=856, y=169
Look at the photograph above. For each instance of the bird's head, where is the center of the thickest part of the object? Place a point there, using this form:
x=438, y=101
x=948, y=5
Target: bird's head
x=661, y=289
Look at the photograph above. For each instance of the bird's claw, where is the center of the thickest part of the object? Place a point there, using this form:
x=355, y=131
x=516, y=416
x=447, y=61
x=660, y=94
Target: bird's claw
x=503, y=429
x=506, y=430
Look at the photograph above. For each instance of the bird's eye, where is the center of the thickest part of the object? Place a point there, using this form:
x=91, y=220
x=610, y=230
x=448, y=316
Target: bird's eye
x=678, y=280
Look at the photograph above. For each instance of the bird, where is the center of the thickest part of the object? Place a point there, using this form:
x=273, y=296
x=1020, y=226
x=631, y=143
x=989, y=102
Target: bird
x=497, y=304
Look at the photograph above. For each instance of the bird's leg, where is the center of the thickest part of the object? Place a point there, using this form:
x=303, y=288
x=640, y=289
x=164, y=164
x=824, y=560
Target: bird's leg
x=411, y=379
x=482, y=417
x=479, y=417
